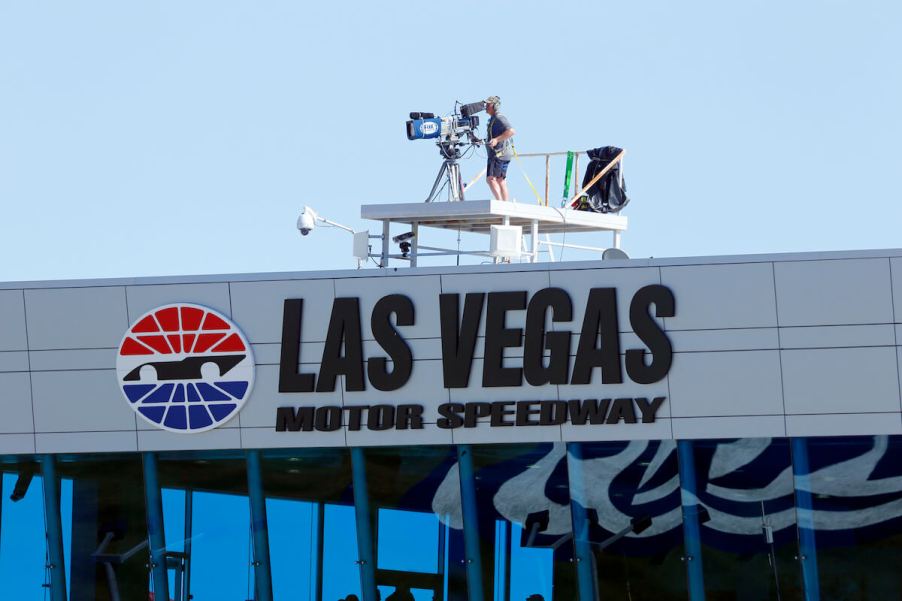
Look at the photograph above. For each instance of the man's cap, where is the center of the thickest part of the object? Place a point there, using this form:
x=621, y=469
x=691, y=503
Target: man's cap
x=493, y=100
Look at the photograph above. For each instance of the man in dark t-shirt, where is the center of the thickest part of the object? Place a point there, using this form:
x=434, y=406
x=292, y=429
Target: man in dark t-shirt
x=499, y=148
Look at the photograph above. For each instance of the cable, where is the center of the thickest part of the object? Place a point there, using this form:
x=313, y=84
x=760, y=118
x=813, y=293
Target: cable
x=528, y=181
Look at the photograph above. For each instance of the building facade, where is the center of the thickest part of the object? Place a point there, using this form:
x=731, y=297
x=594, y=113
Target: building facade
x=706, y=428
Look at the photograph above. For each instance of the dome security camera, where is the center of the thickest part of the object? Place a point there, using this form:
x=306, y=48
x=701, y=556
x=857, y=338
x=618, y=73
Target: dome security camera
x=306, y=221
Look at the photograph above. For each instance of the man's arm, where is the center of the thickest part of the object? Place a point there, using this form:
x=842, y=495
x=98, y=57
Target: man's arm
x=508, y=133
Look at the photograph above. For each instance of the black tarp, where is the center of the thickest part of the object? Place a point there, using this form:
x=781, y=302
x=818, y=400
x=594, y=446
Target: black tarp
x=608, y=194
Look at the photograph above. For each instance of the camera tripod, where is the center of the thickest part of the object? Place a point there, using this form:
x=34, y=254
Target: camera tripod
x=449, y=173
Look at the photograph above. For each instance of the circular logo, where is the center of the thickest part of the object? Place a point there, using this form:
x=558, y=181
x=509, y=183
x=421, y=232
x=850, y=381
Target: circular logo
x=185, y=368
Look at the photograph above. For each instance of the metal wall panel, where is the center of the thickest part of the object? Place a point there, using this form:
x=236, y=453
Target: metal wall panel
x=627, y=281
x=142, y=299
x=722, y=296
x=267, y=437
x=837, y=336
x=896, y=273
x=532, y=282
x=12, y=321
x=847, y=380
x=483, y=434
x=726, y=383
x=161, y=440
x=257, y=306
x=763, y=426
x=85, y=442
x=11, y=444
x=80, y=401
x=422, y=290
x=424, y=386
x=843, y=424
x=13, y=361
x=260, y=408
x=662, y=429
x=743, y=339
x=15, y=403
x=837, y=292
x=77, y=359
x=76, y=318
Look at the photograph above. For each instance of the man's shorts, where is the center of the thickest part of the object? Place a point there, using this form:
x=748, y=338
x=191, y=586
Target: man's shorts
x=497, y=168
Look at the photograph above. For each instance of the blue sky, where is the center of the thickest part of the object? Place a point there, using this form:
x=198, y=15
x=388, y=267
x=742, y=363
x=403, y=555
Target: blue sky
x=158, y=138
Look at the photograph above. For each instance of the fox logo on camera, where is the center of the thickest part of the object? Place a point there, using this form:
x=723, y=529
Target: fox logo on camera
x=424, y=127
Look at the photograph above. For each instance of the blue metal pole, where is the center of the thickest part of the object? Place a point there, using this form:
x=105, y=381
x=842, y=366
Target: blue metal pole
x=691, y=529
x=470, y=511
x=365, y=555
x=153, y=500
x=189, y=516
x=54, y=521
x=262, y=570
x=582, y=548
x=805, y=517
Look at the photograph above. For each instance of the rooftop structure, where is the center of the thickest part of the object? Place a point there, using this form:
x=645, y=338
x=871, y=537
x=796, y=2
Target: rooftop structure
x=480, y=216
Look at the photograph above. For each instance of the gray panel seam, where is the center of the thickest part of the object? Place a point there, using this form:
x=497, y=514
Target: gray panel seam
x=557, y=387
x=127, y=324
x=451, y=270
x=790, y=414
x=232, y=318
x=362, y=428
x=669, y=395
x=84, y=432
x=78, y=349
x=838, y=347
x=809, y=325
x=845, y=413
x=34, y=425
x=341, y=388
x=773, y=271
x=575, y=322
x=892, y=298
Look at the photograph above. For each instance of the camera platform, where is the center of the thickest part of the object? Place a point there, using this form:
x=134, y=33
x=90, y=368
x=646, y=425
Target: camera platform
x=479, y=216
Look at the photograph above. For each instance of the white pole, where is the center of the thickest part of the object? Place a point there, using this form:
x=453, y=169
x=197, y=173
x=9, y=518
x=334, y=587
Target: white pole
x=383, y=261
x=535, y=241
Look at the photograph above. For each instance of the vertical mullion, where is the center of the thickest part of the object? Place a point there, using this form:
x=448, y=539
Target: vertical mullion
x=582, y=548
x=54, y=528
x=470, y=512
x=153, y=499
x=259, y=528
x=364, y=525
x=805, y=519
x=691, y=527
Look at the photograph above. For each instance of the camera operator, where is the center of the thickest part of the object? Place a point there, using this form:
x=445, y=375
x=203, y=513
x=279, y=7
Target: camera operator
x=499, y=148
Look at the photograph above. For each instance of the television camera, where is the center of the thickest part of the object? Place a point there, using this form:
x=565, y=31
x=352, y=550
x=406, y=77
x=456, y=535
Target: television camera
x=453, y=135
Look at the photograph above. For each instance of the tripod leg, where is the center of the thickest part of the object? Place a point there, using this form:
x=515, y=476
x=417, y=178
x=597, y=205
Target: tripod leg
x=455, y=183
x=438, y=181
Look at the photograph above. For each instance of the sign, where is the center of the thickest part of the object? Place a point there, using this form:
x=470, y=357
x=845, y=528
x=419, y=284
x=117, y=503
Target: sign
x=546, y=359
x=185, y=368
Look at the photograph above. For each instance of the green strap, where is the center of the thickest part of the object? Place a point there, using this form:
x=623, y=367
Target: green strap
x=568, y=174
